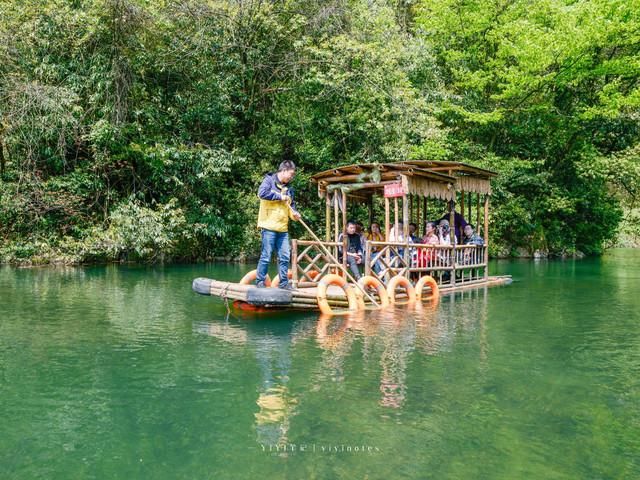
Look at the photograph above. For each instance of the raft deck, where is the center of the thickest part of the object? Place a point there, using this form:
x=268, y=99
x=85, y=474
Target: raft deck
x=306, y=297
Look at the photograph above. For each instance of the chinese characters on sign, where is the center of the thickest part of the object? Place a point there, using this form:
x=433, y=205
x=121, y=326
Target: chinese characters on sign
x=393, y=190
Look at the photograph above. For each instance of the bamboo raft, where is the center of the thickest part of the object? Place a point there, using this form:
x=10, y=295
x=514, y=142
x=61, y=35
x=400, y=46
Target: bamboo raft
x=306, y=298
x=411, y=192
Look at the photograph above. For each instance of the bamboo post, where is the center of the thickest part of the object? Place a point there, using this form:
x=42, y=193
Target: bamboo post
x=418, y=217
x=387, y=227
x=294, y=263
x=486, y=236
x=395, y=218
x=327, y=214
x=424, y=211
x=452, y=233
x=478, y=214
x=396, y=225
x=336, y=223
x=386, y=220
x=367, y=257
x=411, y=209
x=345, y=239
x=345, y=244
x=452, y=220
x=405, y=228
x=462, y=202
x=344, y=211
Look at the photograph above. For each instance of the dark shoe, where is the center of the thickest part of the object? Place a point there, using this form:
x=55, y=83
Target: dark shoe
x=260, y=285
x=286, y=286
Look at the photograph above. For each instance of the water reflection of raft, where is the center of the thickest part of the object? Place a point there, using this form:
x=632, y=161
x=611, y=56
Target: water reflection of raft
x=307, y=298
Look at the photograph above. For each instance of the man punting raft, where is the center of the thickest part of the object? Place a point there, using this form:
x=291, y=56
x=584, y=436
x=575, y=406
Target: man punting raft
x=276, y=208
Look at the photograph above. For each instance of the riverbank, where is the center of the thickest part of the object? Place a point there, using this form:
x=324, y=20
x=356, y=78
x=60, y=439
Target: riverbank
x=37, y=254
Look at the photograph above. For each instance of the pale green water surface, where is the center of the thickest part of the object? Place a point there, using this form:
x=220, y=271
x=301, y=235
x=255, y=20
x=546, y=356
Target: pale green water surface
x=124, y=373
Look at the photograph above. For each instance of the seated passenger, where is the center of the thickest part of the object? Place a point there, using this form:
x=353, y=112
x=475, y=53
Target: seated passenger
x=354, y=249
x=427, y=255
x=374, y=234
x=472, y=255
x=459, y=221
x=471, y=237
x=430, y=236
x=444, y=233
x=413, y=233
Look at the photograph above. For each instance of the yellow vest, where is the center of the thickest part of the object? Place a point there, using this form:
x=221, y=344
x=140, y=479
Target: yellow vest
x=274, y=215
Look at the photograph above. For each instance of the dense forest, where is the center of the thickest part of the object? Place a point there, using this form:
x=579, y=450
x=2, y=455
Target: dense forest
x=140, y=130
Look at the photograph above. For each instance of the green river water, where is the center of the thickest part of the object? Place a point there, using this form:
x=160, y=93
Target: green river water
x=123, y=372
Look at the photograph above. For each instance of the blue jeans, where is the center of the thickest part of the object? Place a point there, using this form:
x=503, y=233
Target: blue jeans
x=278, y=242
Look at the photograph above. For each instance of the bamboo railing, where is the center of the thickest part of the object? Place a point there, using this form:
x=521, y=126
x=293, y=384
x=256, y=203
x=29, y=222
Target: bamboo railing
x=383, y=260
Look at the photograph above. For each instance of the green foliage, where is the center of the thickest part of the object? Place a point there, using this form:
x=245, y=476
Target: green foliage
x=139, y=232
x=113, y=112
x=544, y=92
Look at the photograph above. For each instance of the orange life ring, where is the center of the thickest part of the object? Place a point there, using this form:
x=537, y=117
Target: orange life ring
x=400, y=281
x=251, y=276
x=323, y=303
x=427, y=280
x=276, y=280
x=371, y=281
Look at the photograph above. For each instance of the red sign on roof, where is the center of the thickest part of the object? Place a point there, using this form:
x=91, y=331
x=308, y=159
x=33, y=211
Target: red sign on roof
x=393, y=190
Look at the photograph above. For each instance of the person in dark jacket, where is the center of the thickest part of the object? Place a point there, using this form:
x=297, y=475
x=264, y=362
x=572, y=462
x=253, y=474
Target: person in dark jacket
x=276, y=208
x=354, y=249
x=471, y=237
